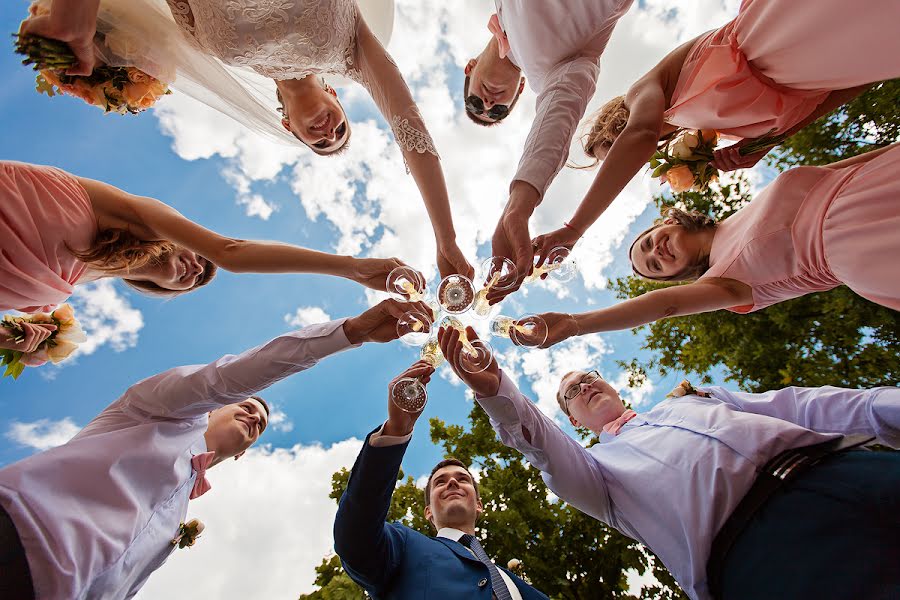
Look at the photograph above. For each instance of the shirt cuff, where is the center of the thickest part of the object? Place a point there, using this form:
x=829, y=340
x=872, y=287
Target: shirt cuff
x=379, y=440
x=329, y=338
x=501, y=408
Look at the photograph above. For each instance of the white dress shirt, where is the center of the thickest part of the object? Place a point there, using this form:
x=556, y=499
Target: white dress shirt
x=557, y=44
x=674, y=474
x=97, y=515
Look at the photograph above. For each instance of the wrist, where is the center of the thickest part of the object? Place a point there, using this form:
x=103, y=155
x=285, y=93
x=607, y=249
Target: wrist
x=523, y=197
x=394, y=428
x=578, y=323
x=351, y=330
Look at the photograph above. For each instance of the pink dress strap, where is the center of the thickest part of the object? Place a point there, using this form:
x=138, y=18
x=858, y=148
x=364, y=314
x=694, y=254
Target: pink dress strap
x=43, y=213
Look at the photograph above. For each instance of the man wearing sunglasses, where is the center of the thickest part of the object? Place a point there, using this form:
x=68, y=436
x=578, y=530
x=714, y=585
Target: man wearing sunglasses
x=742, y=496
x=557, y=46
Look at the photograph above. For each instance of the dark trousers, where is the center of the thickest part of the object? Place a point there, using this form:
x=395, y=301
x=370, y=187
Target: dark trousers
x=15, y=577
x=833, y=533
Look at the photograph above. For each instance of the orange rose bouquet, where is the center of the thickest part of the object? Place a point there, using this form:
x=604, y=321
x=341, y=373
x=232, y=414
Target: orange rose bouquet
x=56, y=348
x=685, y=161
x=114, y=89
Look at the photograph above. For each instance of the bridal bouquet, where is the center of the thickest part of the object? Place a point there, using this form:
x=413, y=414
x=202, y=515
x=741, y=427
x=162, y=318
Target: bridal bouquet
x=55, y=348
x=114, y=89
x=685, y=162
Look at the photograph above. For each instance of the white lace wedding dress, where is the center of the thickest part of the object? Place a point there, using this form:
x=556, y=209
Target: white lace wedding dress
x=291, y=39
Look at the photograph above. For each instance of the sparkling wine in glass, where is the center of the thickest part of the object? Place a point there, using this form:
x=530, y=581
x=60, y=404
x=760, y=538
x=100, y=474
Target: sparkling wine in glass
x=408, y=393
x=414, y=328
x=405, y=283
x=456, y=294
x=559, y=266
x=530, y=331
x=475, y=356
x=499, y=274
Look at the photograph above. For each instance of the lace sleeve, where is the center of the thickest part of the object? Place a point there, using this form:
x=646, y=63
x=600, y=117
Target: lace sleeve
x=372, y=67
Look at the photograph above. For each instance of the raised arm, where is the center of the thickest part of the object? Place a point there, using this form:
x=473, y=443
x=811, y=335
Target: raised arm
x=73, y=22
x=151, y=219
x=700, y=296
x=827, y=409
x=380, y=75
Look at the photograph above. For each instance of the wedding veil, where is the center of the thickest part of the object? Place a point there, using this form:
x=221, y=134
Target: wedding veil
x=144, y=34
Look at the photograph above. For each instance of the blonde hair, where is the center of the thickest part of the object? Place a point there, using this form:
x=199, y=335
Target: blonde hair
x=116, y=249
x=690, y=220
x=608, y=123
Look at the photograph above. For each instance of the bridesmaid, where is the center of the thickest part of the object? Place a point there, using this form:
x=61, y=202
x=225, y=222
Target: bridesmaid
x=58, y=231
x=810, y=230
x=775, y=68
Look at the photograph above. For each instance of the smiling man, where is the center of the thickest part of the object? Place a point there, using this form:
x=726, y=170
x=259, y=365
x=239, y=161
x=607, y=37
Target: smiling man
x=392, y=561
x=742, y=496
x=93, y=518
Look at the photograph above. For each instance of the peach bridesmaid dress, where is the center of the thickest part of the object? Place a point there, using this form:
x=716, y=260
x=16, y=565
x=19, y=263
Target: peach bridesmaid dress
x=43, y=213
x=774, y=63
x=813, y=229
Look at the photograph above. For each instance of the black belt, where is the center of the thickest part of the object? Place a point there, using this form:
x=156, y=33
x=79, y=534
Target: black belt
x=15, y=577
x=776, y=473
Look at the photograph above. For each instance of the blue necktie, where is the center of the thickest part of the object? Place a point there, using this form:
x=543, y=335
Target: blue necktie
x=501, y=592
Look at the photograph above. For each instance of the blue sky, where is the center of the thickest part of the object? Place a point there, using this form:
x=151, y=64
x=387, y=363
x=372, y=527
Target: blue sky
x=345, y=396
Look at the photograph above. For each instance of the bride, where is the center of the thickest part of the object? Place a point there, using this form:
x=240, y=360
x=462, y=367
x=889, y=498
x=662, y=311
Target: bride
x=216, y=51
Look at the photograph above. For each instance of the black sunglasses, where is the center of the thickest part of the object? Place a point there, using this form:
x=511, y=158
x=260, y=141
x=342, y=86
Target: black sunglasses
x=475, y=106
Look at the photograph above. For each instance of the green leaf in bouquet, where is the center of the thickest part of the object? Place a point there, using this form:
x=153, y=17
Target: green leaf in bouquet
x=44, y=87
x=660, y=170
x=654, y=162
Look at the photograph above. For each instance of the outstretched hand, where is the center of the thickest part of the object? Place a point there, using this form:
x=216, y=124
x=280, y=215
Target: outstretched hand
x=485, y=383
x=379, y=323
x=72, y=22
x=451, y=261
x=399, y=421
x=560, y=326
x=513, y=241
x=373, y=272
x=544, y=244
x=35, y=335
x=731, y=159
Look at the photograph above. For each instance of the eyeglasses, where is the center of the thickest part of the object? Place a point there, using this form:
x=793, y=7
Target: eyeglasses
x=575, y=389
x=475, y=106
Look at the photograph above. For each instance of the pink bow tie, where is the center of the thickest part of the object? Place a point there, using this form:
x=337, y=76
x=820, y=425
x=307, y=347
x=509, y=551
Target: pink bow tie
x=615, y=426
x=201, y=462
x=502, y=40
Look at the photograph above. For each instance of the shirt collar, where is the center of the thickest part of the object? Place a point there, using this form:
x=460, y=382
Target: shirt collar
x=450, y=533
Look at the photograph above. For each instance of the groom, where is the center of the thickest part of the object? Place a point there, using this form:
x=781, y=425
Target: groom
x=95, y=517
x=390, y=560
x=557, y=46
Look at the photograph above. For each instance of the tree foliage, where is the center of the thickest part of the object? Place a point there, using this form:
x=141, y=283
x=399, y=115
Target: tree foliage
x=830, y=338
x=563, y=552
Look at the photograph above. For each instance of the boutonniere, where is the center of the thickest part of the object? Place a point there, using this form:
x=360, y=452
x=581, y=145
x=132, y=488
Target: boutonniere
x=188, y=533
x=513, y=564
x=686, y=389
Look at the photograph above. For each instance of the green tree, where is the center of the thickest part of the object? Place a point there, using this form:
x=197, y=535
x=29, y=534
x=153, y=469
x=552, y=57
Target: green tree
x=830, y=338
x=563, y=552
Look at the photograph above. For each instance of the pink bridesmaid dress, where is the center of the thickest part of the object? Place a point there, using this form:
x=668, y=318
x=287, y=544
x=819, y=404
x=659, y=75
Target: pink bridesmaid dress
x=813, y=229
x=771, y=66
x=43, y=213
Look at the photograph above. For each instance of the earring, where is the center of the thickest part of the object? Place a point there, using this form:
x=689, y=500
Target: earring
x=285, y=123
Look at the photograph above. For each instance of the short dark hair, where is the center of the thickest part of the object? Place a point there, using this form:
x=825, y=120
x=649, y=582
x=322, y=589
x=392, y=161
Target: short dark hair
x=474, y=118
x=448, y=462
x=265, y=404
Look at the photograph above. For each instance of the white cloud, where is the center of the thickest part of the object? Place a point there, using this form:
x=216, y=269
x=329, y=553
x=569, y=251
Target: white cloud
x=268, y=524
x=279, y=420
x=106, y=317
x=42, y=434
x=306, y=315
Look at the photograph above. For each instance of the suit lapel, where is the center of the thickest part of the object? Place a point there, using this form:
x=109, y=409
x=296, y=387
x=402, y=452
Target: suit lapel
x=458, y=549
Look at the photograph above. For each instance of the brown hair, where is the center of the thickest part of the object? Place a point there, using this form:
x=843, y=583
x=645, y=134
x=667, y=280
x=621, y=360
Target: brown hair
x=474, y=118
x=690, y=220
x=344, y=147
x=265, y=404
x=115, y=249
x=448, y=462
x=608, y=123
x=560, y=399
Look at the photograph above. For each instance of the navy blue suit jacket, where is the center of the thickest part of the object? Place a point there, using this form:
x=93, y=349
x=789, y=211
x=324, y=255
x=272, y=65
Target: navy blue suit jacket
x=390, y=560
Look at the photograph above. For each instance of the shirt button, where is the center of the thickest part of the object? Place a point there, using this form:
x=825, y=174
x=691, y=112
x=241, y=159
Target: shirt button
x=482, y=583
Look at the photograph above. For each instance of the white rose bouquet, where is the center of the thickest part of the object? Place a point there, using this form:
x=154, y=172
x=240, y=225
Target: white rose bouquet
x=685, y=161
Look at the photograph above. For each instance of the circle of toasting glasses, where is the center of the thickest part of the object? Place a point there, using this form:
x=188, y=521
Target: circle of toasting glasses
x=474, y=356
x=530, y=331
x=409, y=393
x=559, y=266
x=498, y=273
x=456, y=294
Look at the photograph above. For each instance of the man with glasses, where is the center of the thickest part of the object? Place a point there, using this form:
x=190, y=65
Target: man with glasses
x=557, y=46
x=742, y=496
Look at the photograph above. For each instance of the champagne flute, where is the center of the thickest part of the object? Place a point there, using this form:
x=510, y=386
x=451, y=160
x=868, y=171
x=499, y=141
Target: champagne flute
x=405, y=283
x=414, y=328
x=408, y=393
x=475, y=356
x=559, y=266
x=499, y=274
x=456, y=294
x=530, y=331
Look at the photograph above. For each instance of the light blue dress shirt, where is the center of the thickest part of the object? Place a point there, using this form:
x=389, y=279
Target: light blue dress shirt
x=674, y=474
